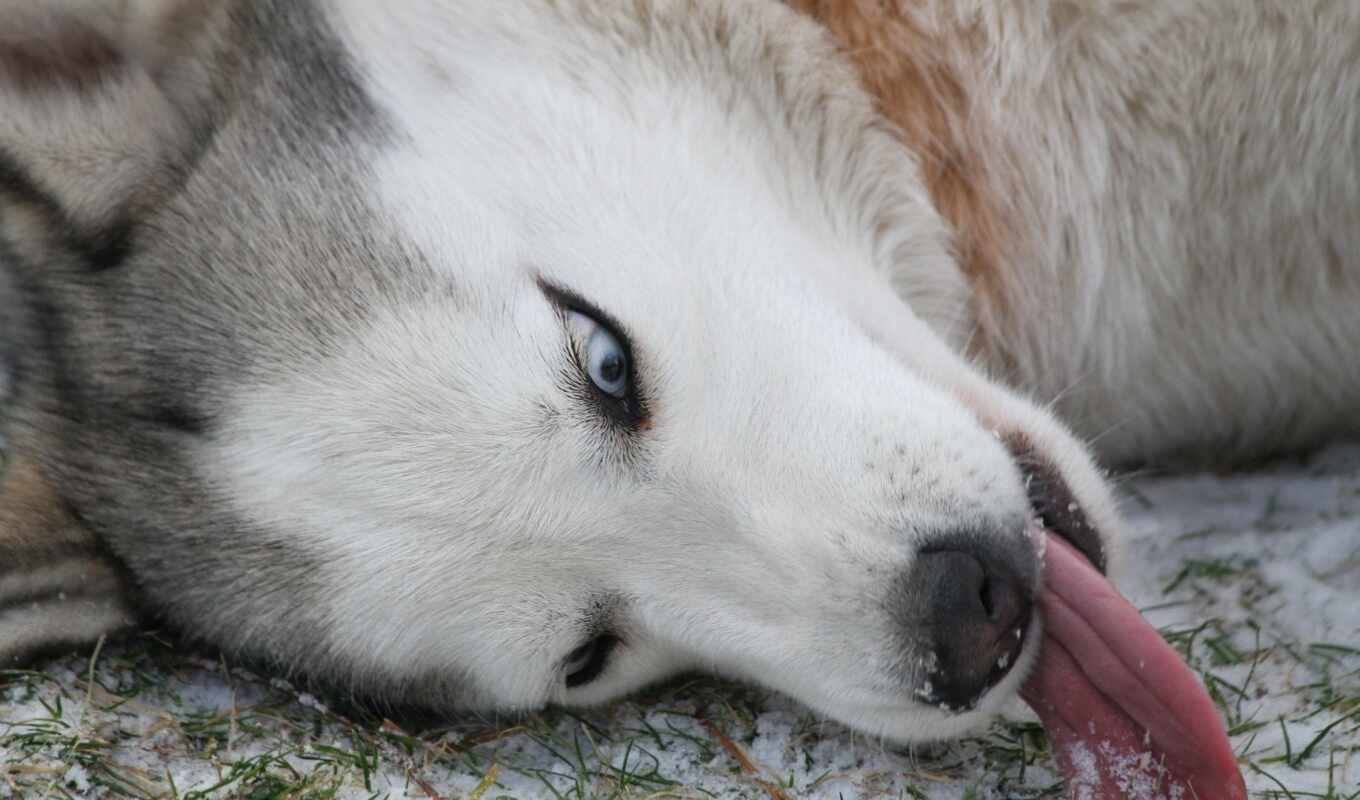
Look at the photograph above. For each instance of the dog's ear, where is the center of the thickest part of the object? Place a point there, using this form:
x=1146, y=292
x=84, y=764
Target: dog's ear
x=100, y=101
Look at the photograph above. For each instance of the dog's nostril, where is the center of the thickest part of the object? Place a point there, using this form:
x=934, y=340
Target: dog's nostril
x=986, y=595
x=968, y=607
x=1005, y=601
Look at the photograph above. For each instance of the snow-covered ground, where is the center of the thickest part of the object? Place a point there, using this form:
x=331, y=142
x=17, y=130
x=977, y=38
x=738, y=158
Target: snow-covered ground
x=1255, y=576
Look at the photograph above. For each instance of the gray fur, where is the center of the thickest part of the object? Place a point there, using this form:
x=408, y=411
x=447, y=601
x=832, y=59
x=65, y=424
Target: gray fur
x=124, y=361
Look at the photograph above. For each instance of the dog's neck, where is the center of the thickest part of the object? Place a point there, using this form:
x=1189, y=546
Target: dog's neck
x=1012, y=163
x=1107, y=179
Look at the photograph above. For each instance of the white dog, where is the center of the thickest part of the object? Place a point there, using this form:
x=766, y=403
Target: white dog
x=499, y=354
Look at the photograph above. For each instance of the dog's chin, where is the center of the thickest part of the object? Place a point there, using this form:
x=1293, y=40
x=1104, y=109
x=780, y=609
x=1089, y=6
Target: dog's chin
x=904, y=720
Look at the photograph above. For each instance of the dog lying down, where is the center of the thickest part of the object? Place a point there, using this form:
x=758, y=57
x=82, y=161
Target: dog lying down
x=489, y=355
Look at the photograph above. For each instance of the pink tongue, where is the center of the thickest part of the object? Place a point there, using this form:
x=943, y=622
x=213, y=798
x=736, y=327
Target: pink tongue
x=1126, y=716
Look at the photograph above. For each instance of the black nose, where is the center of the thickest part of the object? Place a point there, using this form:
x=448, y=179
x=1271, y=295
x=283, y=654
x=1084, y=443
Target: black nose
x=964, y=606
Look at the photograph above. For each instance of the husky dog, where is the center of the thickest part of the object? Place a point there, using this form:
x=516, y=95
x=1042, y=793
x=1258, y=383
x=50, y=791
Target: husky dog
x=484, y=355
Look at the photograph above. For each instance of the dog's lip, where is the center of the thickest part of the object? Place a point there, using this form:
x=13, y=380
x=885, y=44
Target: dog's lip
x=1053, y=503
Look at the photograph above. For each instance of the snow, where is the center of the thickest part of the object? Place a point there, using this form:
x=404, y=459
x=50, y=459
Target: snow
x=1265, y=564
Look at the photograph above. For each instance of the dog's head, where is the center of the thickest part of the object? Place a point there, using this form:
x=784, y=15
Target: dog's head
x=500, y=356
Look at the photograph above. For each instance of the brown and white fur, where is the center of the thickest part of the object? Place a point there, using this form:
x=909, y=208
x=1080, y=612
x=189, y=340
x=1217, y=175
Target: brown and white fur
x=294, y=370
x=1156, y=205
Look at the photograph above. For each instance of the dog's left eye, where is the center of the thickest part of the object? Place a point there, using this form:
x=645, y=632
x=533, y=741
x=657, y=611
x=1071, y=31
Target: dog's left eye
x=606, y=361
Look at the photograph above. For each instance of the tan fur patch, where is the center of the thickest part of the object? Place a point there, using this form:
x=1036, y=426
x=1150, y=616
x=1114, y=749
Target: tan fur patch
x=908, y=71
x=56, y=589
x=32, y=521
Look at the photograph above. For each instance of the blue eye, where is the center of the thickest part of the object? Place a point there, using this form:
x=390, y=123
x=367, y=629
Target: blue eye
x=606, y=362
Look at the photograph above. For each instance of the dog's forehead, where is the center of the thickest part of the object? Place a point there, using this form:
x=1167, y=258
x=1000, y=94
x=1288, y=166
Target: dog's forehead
x=508, y=145
x=697, y=148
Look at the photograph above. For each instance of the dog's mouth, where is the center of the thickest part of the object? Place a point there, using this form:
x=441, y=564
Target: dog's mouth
x=993, y=643
x=1054, y=505
x=1108, y=688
